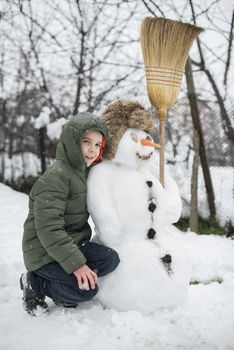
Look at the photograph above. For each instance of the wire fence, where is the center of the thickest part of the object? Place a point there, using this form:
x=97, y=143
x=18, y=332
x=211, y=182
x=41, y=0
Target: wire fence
x=20, y=158
x=220, y=155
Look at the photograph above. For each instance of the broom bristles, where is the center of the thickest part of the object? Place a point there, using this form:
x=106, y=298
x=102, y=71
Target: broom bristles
x=165, y=46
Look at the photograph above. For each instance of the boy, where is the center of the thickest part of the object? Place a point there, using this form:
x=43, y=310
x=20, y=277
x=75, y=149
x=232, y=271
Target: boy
x=61, y=261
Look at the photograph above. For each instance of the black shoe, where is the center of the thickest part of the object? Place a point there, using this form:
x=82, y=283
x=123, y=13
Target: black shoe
x=32, y=301
x=67, y=305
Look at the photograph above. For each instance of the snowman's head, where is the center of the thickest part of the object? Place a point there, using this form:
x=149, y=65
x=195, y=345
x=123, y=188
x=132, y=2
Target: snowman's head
x=135, y=149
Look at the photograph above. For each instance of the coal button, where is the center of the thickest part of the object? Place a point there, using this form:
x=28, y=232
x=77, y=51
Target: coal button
x=152, y=207
x=167, y=259
x=151, y=233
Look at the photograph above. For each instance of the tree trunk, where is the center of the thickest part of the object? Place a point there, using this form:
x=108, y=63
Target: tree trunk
x=197, y=126
x=80, y=72
x=194, y=185
x=42, y=132
x=3, y=112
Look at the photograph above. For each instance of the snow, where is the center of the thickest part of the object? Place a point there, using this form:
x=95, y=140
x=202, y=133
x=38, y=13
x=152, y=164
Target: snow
x=23, y=164
x=205, y=321
x=54, y=129
x=43, y=119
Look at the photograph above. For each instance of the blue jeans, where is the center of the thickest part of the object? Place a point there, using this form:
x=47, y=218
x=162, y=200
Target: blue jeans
x=51, y=280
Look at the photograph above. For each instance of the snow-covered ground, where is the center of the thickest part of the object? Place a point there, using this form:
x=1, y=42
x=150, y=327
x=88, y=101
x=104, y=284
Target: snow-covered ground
x=204, y=322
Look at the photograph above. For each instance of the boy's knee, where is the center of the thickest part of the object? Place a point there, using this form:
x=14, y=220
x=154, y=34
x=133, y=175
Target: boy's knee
x=113, y=260
x=90, y=294
x=86, y=295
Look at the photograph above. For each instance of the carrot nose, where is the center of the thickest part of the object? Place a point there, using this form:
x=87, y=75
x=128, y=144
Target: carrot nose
x=149, y=143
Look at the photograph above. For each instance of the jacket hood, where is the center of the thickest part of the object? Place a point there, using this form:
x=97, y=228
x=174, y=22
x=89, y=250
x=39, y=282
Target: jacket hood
x=68, y=148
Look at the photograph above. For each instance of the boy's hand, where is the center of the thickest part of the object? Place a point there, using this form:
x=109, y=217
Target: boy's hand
x=85, y=277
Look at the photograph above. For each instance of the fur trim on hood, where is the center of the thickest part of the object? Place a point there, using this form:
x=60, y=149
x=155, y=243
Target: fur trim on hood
x=120, y=116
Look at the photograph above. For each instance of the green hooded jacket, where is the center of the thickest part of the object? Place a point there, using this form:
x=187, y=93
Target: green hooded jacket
x=57, y=220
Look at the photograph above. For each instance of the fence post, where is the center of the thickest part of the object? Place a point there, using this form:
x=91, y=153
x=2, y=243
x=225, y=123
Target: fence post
x=197, y=126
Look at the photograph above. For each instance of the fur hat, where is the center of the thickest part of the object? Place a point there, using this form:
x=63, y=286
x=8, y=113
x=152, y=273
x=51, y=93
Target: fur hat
x=120, y=116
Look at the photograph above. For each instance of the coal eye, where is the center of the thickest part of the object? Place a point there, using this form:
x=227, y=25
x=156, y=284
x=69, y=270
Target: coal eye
x=134, y=137
x=148, y=138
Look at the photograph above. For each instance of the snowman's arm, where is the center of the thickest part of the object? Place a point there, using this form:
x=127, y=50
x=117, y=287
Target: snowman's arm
x=100, y=204
x=171, y=190
x=173, y=199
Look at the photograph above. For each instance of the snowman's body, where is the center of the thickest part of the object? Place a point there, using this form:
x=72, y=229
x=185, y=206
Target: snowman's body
x=133, y=214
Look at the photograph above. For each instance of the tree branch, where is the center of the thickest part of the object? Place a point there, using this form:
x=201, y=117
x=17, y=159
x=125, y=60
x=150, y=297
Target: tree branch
x=226, y=122
x=151, y=11
x=229, y=50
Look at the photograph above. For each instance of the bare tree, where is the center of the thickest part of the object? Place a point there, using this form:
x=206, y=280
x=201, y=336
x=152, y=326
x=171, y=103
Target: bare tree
x=226, y=122
x=88, y=35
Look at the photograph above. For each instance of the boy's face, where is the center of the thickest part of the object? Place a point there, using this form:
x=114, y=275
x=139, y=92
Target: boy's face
x=90, y=145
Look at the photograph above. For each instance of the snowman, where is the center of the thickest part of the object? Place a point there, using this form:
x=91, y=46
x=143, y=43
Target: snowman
x=133, y=214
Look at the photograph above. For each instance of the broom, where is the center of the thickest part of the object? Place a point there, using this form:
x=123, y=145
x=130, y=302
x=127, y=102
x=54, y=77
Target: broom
x=165, y=46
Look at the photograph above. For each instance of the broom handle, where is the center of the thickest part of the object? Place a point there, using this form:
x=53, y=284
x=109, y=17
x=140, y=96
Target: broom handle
x=162, y=142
